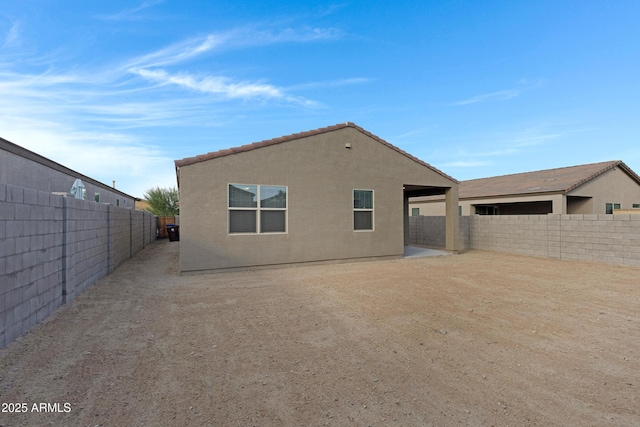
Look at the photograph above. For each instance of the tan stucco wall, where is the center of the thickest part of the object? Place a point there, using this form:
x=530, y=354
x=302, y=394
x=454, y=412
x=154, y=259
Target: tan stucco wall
x=613, y=186
x=320, y=174
x=435, y=208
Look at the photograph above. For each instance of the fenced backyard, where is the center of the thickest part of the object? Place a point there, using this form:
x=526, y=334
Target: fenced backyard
x=53, y=247
x=481, y=338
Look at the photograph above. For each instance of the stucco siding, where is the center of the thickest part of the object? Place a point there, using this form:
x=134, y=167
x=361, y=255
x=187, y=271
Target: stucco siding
x=320, y=174
x=613, y=186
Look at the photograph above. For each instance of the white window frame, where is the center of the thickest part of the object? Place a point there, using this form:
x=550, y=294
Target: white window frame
x=372, y=210
x=258, y=209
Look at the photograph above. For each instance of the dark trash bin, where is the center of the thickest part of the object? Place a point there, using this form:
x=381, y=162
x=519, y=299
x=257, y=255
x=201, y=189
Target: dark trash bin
x=173, y=231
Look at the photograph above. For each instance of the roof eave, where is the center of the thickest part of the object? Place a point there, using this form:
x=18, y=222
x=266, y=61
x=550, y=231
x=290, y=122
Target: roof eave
x=249, y=147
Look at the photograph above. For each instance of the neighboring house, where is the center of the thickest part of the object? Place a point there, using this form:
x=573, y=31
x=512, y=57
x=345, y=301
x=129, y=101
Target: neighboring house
x=598, y=188
x=24, y=168
x=336, y=193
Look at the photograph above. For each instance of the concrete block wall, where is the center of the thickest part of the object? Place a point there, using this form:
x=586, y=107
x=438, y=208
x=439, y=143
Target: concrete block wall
x=53, y=247
x=427, y=230
x=606, y=238
x=145, y=229
x=120, y=229
x=31, y=259
x=522, y=234
x=465, y=232
x=431, y=231
x=87, y=245
x=138, y=231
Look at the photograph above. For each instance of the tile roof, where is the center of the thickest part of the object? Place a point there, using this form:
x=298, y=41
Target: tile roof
x=560, y=180
x=227, y=152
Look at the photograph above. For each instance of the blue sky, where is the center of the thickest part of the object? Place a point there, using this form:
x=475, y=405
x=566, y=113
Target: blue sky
x=117, y=90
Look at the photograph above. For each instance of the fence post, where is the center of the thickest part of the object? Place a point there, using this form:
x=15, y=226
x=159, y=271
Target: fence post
x=65, y=262
x=144, y=240
x=130, y=234
x=109, y=240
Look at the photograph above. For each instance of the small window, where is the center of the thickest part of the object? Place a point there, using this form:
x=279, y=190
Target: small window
x=97, y=197
x=117, y=202
x=636, y=206
x=362, y=210
x=415, y=211
x=610, y=207
x=246, y=215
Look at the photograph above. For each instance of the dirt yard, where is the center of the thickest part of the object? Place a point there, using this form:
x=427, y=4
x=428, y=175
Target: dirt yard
x=475, y=339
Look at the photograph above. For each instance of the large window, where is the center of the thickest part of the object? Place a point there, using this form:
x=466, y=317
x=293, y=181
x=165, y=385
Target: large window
x=257, y=208
x=363, y=209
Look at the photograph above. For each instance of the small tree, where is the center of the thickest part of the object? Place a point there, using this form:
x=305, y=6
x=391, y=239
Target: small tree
x=163, y=201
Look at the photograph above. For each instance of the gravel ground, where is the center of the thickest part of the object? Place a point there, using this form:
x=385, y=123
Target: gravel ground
x=479, y=338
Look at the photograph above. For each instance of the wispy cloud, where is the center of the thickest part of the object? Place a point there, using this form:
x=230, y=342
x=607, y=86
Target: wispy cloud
x=253, y=36
x=332, y=83
x=104, y=156
x=413, y=133
x=153, y=67
x=92, y=117
x=131, y=14
x=331, y=9
x=501, y=95
x=242, y=37
x=12, y=37
x=179, y=52
x=507, y=146
x=522, y=85
x=211, y=84
x=464, y=164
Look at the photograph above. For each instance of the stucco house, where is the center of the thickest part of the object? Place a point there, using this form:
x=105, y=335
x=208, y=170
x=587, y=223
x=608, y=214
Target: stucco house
x=596, y=188
x=327, y=195
x=24, y=168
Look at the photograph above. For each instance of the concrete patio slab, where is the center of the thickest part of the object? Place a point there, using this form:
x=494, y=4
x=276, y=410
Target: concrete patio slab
x=418, y=252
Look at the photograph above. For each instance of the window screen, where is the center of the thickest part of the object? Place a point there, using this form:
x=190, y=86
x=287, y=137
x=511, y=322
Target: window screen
x=242, y=221
x=272, y=221
x=363, y=209
x=246, y=215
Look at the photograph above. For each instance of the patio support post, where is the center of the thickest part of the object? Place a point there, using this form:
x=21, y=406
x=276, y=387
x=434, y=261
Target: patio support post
x=452, y=219
x=405, y=213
